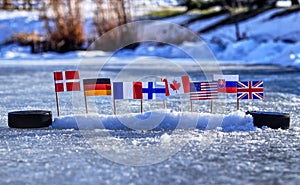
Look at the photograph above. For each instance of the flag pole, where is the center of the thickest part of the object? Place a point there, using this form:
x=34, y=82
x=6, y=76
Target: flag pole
x=238, y=104
x=165, y=104
x=191, y=104
x=211, y=106
x=86, y=105
x=141, y=105
x=115, y=108
x=57, y=104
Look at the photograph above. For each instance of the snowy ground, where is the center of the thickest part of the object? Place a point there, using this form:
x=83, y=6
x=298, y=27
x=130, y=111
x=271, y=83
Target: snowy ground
x=275, y=41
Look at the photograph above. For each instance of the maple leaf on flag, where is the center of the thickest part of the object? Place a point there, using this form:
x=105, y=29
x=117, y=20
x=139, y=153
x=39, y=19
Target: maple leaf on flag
x=175, y=85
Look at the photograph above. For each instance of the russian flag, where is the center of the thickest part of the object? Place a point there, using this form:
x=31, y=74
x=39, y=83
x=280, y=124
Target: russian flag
x=231, y=87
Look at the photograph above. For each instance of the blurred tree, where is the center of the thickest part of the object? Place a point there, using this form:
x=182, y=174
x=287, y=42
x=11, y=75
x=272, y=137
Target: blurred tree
x=7, y=4
x=202, y=4
x=295, y=2
x=110, y=14
x=67, y=32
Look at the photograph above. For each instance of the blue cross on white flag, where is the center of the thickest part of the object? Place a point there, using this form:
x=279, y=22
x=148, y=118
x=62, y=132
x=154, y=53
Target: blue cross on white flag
x=154, y=90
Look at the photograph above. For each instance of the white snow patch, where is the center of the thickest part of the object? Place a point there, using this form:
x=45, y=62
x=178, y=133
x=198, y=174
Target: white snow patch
x=236, y=121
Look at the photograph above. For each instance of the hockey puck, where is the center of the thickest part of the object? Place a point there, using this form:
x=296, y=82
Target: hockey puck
x=274, y=120
x=29, y=119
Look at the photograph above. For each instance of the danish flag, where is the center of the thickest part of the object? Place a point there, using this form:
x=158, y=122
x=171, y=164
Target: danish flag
x=66, y=81
x=250, y=90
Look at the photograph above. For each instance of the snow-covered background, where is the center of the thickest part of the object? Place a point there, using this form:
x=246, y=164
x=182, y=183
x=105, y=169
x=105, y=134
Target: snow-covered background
x=268, y=40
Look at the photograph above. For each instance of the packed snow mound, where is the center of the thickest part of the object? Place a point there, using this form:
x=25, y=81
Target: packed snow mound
x=266, y=40
x=158, y=120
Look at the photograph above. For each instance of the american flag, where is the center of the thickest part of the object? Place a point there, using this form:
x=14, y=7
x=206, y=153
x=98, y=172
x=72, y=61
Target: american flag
x=250, y=90
x=204, y=90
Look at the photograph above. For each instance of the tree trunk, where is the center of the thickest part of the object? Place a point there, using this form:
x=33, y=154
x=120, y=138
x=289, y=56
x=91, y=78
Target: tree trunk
x=67, y=34
x=7, y=4
x=295, y=2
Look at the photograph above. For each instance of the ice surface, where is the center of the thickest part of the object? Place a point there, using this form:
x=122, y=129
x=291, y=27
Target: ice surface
x=63, y=156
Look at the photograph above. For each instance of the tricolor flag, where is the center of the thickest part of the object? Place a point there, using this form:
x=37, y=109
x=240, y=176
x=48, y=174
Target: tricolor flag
x=229, y=78
x=149, y=90
x=250, y=90
x=66, y=81
x=97, y=87
x=226, y=83
x=123, y=90
x=177, y=85
x=227, y=86
x=203, y=90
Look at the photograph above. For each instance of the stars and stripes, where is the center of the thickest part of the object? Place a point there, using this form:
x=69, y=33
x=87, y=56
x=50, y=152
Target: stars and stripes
x=204, y=90
x=250, y=90
x=66, y=81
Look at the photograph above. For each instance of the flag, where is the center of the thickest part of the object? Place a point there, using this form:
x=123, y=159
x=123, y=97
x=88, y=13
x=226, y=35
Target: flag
x=227, y=86
x=222, y=85
x=229, y=78
x=250, y=90
x=137, y=90
x=177, y=85
x=204, y=91
x=66, y=81
x=123, y=90
x=149, y=90
x=195, y=87
x=154, y=90
x=229, y=81
x=97, y=87
x=231, y=87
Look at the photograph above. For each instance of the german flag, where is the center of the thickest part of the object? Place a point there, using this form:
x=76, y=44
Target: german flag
x=97, y=87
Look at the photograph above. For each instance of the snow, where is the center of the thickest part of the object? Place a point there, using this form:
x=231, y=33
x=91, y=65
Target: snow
x=159, y=120
x=13, y=22
x=199, y=25
x=267, y=41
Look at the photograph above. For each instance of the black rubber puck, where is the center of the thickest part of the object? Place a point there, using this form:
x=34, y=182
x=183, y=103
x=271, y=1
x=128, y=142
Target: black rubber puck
x=29, y=119
x=274, y=120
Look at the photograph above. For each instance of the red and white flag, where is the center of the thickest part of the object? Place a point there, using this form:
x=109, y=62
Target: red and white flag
x=66, y=81
x=177, y=85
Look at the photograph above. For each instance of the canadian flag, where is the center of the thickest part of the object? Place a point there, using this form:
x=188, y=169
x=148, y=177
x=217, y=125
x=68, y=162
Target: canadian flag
x=66, y=81
x=177, y=85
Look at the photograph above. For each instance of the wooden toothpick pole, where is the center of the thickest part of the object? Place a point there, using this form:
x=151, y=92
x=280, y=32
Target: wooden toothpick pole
x=165, y=104
x=57, y=104
x=238, y=105
x=115, y=108
x=191, y=104
x=211, y=106
x=141, y=106
x=86, y=104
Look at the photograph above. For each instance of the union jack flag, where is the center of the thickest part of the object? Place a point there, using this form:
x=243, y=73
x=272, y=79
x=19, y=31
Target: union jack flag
x=250, y=90
x=204, y=90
